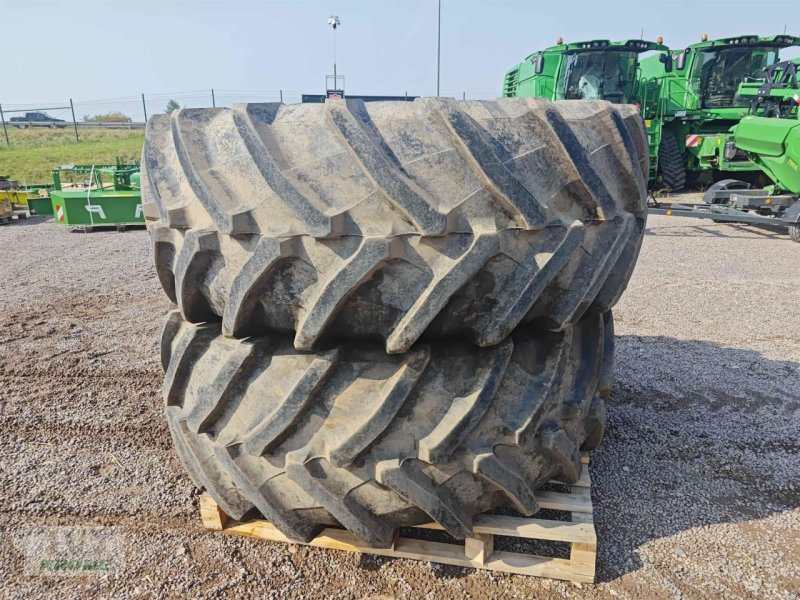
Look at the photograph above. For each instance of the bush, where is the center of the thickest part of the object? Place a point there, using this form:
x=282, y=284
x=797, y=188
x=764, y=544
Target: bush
x=110, y=117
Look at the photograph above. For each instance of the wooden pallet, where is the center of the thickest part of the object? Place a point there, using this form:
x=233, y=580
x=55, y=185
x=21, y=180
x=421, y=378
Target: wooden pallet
x=476, y=551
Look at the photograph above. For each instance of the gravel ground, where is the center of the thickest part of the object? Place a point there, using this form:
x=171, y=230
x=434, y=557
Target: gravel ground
x=696, y=485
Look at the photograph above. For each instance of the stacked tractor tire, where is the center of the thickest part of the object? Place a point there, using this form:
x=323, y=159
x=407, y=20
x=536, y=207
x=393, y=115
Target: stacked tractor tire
x=390, y=313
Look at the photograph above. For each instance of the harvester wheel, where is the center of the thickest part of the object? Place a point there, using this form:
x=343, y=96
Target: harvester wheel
x=671, y=166
x=373, y=441
x=794, y=232
x=395, y=220
x=712, y=196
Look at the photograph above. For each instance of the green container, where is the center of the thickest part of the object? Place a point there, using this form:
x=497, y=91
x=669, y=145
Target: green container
x=40, y=205
x=97, y=208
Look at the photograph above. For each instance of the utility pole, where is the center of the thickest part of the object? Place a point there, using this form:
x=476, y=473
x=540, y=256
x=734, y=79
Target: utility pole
x=5, y=131
x=334, y=22
x=74, y=122
x=439, y=50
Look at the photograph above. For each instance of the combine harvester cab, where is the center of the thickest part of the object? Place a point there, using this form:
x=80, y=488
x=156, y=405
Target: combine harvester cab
x=691, y=101
x=590, y=70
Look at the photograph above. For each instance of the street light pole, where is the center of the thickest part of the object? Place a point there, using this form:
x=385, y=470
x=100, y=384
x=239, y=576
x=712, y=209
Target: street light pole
x=334, y=54
x=439, y=50
x=334, y=22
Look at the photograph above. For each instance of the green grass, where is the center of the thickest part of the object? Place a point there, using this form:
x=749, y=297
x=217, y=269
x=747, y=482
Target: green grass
x=35, y=152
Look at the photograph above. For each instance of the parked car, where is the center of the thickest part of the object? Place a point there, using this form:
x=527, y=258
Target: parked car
x=37, y=119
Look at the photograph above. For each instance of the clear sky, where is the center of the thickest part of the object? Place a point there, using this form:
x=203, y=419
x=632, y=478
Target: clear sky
x=104, y=53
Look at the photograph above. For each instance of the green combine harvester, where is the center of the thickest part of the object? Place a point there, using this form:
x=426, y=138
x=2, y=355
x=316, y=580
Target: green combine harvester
x=689, y=98
x=690, y=101
x=769, y=137
x=591, y=70
x=588, y=70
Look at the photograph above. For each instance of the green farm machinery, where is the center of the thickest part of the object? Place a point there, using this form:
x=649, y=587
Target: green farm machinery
x=590, y=70
x=119, y=173
x=692, y=98
x=109, y=196
x=769, y=137
x=97, y=208
x=18, y=199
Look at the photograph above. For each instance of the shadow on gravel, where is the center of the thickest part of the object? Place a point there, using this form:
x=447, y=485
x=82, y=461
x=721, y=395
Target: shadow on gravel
x=698, y=435
x=722, y=230
x=27, y=222
x=39, y=219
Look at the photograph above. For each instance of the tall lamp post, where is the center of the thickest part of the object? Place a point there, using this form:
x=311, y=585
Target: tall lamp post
x=334, y=22
x=439, y=49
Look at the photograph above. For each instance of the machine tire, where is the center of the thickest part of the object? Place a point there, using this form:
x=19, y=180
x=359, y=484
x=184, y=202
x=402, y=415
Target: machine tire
x=395, y=220
x=371, y=441
x=723, y=184
x=794, y=232
x=671, y=166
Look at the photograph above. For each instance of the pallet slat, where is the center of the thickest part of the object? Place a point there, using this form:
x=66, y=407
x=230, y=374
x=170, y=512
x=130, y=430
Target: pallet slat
x=568, y=502
x=584, y=481
x=478, y=550
x=540, y=529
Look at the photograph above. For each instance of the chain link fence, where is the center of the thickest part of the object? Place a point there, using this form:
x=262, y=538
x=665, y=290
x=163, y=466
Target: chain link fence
x=131, y=112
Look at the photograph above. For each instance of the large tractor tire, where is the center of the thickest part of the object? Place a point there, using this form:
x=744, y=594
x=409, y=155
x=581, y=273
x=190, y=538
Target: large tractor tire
x=354, y=436
x=671, y=166
x=395, y=221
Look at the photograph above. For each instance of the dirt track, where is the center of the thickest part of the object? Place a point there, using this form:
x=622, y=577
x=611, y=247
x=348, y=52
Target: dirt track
x=697, y=483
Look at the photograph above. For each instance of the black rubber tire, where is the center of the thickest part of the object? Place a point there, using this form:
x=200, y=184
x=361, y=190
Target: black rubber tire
x=395, y=220
x=671, y=166
x=374, y=441
x=723, y=184
x=794, y=232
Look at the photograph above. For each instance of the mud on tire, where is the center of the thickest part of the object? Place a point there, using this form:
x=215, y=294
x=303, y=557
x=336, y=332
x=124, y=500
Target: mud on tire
x=372, y=441
x=395, y=221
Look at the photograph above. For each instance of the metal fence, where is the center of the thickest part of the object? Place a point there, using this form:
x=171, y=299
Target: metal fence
x=77, y=115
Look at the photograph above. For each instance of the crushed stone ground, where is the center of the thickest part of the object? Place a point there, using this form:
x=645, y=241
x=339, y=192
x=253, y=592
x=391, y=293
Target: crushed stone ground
x=696, y=484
